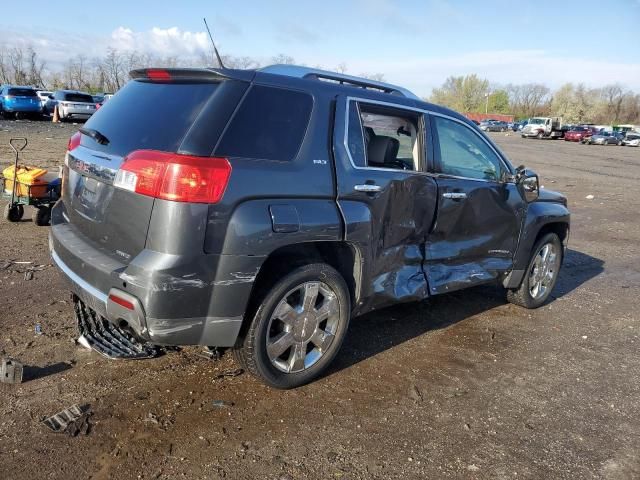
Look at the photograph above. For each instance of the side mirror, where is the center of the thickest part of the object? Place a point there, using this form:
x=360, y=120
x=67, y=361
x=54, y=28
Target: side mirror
x=529, y=183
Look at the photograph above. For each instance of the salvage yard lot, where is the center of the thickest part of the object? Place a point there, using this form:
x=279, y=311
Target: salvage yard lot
x=463, y=385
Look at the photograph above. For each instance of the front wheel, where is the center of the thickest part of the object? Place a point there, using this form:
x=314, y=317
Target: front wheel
x=297, y=328
x=541, y=274
x=539, y=136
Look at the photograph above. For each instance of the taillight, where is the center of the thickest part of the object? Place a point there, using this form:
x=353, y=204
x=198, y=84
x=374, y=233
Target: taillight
x=158, y=75
x=171, y=176
x=74, y=141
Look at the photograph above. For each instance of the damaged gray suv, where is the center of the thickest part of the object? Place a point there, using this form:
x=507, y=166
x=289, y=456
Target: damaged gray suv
x=261, y=209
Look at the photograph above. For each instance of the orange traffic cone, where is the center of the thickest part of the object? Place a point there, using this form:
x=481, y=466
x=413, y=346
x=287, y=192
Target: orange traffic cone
x=56, y=115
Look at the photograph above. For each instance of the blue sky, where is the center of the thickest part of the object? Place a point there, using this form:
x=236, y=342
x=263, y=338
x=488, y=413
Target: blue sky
x=414, y=43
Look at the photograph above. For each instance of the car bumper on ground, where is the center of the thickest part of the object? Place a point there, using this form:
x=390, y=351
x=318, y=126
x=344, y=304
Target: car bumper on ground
x=207, y=309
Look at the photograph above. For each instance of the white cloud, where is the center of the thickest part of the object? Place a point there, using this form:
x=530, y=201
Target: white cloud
x=160, y=41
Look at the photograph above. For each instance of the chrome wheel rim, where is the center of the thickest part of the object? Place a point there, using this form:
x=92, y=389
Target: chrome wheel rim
x=302, y=327
x=543, y=271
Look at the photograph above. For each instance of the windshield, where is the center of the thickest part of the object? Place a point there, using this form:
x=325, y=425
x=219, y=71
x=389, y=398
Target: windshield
x=537, y=121
x=78, y=97
x=22, y=92
x=633, y=136
x=579, y=129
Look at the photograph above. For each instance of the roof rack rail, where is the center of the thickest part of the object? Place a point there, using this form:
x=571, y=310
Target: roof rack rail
x=318, y=74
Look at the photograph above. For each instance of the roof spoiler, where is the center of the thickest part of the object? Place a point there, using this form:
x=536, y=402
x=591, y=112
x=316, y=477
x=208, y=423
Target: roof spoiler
x=170, y=75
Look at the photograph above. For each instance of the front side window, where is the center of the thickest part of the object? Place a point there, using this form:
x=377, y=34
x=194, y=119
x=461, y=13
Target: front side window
x=383, y=137
x=464, y=154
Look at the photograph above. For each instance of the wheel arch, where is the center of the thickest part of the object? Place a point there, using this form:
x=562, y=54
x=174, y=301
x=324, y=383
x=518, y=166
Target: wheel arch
x=343, y=256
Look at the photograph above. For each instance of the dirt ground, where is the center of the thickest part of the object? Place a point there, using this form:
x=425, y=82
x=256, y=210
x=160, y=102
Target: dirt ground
x=460, y=386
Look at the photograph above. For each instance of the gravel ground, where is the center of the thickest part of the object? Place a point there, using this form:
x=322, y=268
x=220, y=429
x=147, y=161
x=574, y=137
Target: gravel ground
x=460, y=386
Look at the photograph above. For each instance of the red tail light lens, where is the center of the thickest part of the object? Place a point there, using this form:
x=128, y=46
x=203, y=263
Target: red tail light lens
x=74, y=141
x=158, y=75
x=171, y=176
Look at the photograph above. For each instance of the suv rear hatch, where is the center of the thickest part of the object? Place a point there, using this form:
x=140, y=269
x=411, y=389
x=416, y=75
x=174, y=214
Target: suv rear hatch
x=147, y=114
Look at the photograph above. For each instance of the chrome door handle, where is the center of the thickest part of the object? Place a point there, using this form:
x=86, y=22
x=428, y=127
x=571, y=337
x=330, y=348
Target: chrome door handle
x=368, y=188
x=455, y=195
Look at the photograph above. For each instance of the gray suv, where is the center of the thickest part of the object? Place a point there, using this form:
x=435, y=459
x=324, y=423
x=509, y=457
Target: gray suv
x=261, y=209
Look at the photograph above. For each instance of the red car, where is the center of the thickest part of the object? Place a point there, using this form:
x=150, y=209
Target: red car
x=579, y=134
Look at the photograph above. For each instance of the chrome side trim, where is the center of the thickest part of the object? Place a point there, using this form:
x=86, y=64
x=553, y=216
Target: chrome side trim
x=90, y=289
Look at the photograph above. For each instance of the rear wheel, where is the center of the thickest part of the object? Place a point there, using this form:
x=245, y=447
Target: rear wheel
x=41, y=216
x=13, y=213
x=541, y=275
x=297, y=328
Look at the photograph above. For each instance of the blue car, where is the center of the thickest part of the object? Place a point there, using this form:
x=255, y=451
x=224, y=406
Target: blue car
x=19, y=100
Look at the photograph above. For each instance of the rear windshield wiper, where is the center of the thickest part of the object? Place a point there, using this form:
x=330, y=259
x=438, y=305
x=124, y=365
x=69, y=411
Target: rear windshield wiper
x=95, y=134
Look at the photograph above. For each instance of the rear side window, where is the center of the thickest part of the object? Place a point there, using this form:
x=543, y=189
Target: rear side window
x=22, y=92
x=78, y=97
x=151, y=116
x=270, y=124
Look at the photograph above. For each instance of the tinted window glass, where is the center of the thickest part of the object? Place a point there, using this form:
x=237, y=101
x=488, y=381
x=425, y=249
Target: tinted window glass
x=145, y=115
x=270, y=124
x=355, y=139
x=22, y=92
x=78, y=97
x=464, y=154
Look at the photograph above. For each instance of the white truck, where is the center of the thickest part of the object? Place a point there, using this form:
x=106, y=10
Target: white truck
x=543, y=127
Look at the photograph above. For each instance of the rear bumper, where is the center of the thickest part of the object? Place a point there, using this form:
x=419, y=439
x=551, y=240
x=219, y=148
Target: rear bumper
x=77, y=112
x=36, y=108
x=195, y=300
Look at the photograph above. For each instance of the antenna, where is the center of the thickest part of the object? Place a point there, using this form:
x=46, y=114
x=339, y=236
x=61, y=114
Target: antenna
x=214, y=45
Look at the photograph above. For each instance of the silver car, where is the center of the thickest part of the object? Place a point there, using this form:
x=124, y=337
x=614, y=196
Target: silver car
x=632, y=139
x=71, y=103
x=605, y=138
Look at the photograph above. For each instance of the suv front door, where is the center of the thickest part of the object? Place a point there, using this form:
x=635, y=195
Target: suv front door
x=477, y=226
x=386, y=198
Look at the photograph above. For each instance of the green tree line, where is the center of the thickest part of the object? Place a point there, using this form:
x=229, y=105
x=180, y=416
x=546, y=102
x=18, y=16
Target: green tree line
x=574, y=102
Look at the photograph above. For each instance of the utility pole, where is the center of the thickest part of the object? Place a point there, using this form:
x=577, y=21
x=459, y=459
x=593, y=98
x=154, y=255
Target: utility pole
x=486, y=105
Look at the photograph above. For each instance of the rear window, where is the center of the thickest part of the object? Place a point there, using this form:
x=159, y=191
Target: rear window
x=152, y=116
x=22, y=92
x=78, y=97
x=270, y=124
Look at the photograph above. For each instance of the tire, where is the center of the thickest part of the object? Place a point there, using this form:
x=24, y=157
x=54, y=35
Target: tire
x=526, y=295
x=251, y=350
x=619, y=143
x=41, y=216
x=13, y=213
x=540, y=136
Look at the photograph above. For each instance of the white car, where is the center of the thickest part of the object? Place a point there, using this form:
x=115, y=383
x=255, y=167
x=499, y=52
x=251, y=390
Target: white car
x=632, y=139
x=44, y=96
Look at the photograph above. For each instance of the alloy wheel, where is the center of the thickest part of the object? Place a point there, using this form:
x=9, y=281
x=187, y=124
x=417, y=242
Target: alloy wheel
x=543, y=271
x=302, y=327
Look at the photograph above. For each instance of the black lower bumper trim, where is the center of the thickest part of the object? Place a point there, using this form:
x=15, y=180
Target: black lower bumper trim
x=108, y=339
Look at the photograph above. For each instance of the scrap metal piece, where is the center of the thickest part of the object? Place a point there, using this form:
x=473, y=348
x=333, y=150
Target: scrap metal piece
x=72, y=420
x=11, y=371
x=107, y=339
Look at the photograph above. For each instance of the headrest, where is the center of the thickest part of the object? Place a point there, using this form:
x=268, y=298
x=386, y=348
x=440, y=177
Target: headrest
x=382, y=150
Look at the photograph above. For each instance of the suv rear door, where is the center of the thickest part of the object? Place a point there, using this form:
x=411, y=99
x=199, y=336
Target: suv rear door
x=479, y=215
x=388, y=210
